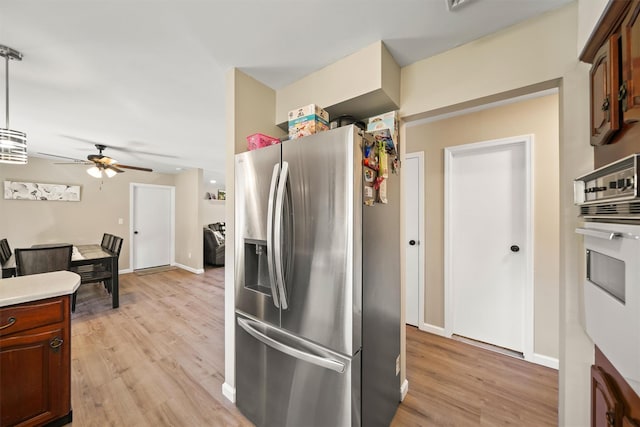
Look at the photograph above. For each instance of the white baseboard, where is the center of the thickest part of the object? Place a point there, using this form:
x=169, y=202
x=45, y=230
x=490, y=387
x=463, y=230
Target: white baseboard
x=125, y=271
x=229, y=392
x=436, y=330
x=404, y=388
x=190, y=269
x=549, y=362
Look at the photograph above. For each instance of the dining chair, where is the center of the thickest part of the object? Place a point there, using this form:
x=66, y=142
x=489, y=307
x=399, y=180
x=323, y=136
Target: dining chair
x=116, y=245
x=99, y=273
x=107, y=240
x=42, y=260
x=5, y=251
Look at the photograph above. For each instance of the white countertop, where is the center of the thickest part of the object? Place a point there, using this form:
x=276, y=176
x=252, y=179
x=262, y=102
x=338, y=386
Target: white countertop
x=17, y=290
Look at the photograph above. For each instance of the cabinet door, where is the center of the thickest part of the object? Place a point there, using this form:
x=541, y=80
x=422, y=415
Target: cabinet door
x=34, y=377
x=604, y=78
x=606, y=408
x=629, y=92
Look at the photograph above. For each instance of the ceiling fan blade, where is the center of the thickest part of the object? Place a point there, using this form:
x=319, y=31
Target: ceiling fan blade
x=135, y=168
x=63, y=157
x=75, y=138
x=113, y=168
x=79, y=162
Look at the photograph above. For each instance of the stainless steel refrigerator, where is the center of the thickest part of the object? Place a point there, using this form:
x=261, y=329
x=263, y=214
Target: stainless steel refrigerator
x=317, y=281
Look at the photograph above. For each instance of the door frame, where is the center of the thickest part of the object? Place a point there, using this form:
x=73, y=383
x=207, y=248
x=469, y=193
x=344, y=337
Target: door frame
x=172, y=219
x=449, y=153
x=421, y=233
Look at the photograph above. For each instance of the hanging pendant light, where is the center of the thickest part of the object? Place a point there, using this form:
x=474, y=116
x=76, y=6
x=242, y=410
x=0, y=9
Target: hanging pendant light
x=13, y=143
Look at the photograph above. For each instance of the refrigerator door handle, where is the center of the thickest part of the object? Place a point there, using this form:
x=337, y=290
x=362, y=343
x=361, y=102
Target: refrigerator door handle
x=325, y=362
x=270, y=243
x=282, y=185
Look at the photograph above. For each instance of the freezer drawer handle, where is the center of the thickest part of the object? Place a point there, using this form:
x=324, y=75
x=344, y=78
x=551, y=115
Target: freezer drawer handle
x=334, y=365
x=601, y=234
x=270, y=262
x=282, y=185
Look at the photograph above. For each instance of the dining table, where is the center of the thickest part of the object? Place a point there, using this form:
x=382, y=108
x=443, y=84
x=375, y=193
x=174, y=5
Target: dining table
x=83, y=255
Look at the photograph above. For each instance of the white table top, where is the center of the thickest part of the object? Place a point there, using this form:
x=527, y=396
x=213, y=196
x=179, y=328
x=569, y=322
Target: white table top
x=17, y=290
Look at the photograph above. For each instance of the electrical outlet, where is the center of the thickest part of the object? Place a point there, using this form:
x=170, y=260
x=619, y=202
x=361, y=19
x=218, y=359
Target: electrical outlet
x=120, y=221
x=189, y=255
x=398, y=365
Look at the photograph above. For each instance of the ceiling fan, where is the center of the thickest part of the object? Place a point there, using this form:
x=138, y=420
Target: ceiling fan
x=101, y=163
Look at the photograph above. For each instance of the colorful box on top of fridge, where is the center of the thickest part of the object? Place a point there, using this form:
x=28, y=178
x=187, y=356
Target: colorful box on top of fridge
x=383, y=121
x=307, y=125
x=307, y=111
x=307, y=120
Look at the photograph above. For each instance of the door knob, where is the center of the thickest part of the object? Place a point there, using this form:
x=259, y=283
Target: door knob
x=515, y=248
x=412, y=242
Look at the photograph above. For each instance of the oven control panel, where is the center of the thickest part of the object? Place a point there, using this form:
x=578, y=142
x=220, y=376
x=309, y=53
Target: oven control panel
x=613, y=183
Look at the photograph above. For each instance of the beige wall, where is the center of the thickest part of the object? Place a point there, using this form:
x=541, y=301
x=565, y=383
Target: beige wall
x=539, y=117
x=103, y=202
x=362, y=84
x=189, y=238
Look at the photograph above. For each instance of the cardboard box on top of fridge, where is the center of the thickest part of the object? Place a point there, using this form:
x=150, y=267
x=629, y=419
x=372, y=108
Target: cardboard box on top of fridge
x=383, y=121
x=307, y=120
x=307, y=125
x=308, y=110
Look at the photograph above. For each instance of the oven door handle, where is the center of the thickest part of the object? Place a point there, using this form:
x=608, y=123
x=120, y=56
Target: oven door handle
x=601, y=234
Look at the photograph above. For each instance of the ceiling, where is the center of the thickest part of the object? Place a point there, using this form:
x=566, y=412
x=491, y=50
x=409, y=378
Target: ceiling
x=147, y=77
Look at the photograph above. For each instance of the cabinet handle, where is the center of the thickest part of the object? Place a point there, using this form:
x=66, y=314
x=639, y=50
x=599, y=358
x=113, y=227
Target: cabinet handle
x=11, y=320
x=605, y=104
x=611, y=419
x=622, y=95
x=56, y=343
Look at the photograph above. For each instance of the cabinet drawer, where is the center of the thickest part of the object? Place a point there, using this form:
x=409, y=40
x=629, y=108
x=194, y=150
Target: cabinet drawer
x=31, y=315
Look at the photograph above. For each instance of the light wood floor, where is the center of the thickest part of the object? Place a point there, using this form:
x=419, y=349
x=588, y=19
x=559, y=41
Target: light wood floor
x=158, y=360
x=452, y=383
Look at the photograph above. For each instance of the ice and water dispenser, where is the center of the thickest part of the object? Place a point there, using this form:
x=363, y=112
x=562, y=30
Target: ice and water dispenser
x=256, y=268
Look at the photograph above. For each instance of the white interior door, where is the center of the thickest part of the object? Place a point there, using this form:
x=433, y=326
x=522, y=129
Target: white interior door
x=414, y=259
x=152, y=224
x=487, y=239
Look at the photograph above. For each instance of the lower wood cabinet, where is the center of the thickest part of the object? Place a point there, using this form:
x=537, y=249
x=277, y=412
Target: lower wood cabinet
x=35, y=363
x=613, y=402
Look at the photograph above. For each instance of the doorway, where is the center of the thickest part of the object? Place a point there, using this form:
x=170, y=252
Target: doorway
x=152, y=219
x=413, y=238
x=488, y=243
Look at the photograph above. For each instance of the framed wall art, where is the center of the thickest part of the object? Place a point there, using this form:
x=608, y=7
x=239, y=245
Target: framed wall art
x=16, y=190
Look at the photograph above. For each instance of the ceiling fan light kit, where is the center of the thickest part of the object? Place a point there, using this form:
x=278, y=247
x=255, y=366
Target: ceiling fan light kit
x=13, y=143
x=94, y=172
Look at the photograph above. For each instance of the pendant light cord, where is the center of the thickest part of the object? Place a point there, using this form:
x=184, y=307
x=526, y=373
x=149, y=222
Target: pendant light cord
x=6, y=85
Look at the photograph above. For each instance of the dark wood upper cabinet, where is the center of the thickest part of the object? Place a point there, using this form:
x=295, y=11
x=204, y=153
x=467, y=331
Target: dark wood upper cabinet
x=604, y=81
x=629, y=92
x=614, y=52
